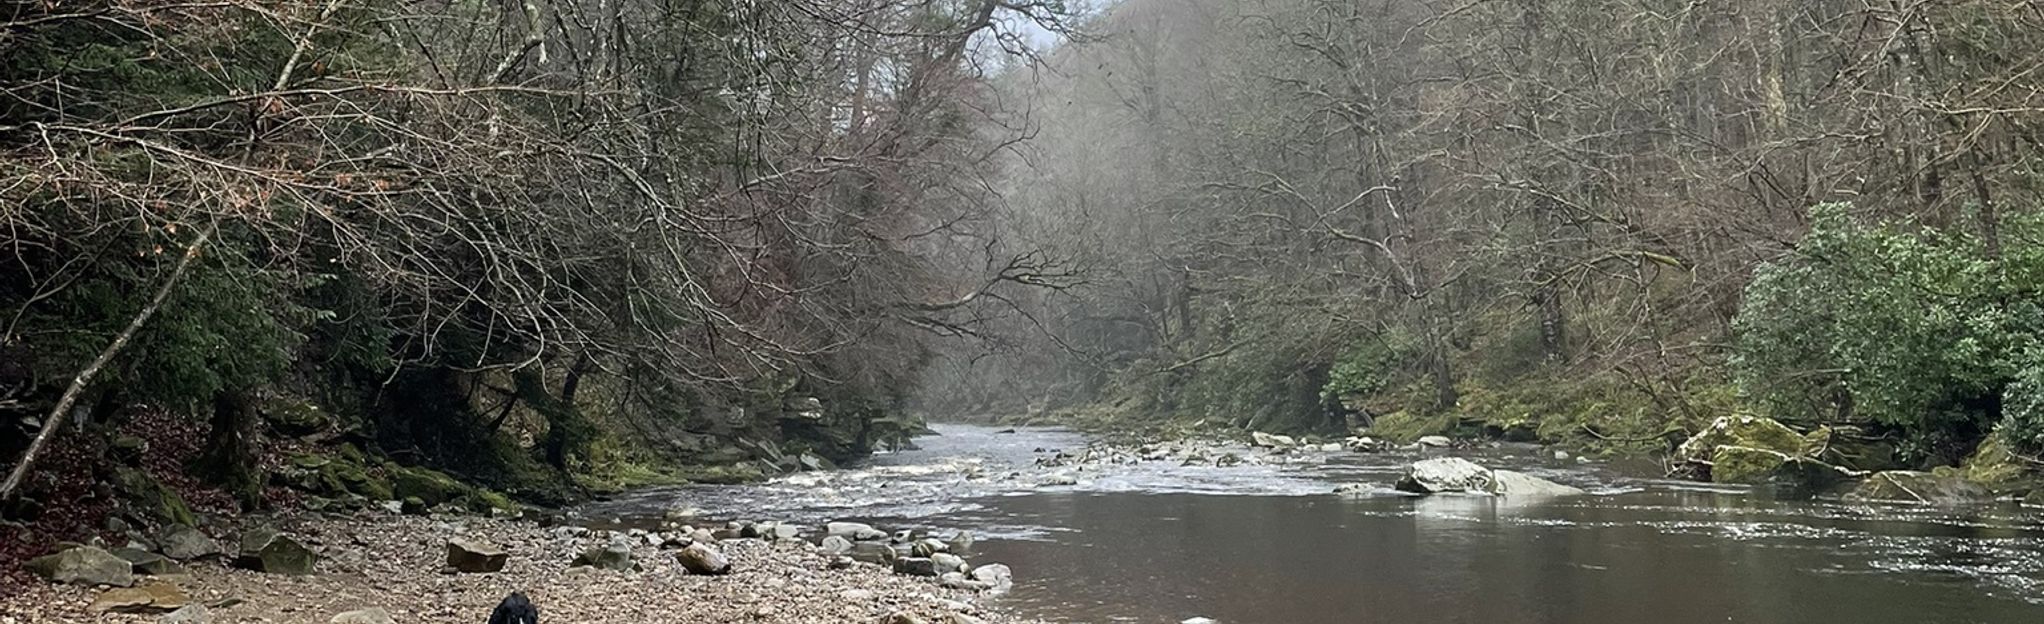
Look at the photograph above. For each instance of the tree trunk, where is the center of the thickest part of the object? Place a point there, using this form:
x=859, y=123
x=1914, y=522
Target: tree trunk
x=230, y=455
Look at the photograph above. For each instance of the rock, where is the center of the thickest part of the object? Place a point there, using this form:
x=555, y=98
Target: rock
x=837, y=545
x=958, y=580
x=854, y=531
x=772, y=531
x=189, y=614
x=1799, y=474
x=152, y=598
x=1271, y=441
x=1910, y=486
x=947, y=562
x=960, y=542
x=856, y=595
x=431, y=487
x=373, y=615
x=1331, y=447
x=475, y=557
x=1454, y=474
x=993, y=574
x=149, y=563
x=1197, y=620
x=1435, y=441
x=266, y=550
x=84, y=565
x=615, y=556
x=873, y=552
x=955, y=617
x=1445, y=474
x=701, y=559
x=151, y=498
x=1560, y=455
x=1363, y=444
x=1751, y=432
x=915, y=566
x=929, y=546
x=1514, y=483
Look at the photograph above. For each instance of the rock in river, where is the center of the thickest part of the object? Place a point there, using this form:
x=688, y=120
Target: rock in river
x=854, y=531
x=1445, y=474
x=1271, y=440
x=84, y=565
x=915, y=566
x=836, y=545
x=475, y=557
x=1454, y=474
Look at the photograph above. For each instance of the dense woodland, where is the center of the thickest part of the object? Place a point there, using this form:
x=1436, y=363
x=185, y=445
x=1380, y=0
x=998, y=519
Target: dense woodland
x=1600, y=224
x=565, y=245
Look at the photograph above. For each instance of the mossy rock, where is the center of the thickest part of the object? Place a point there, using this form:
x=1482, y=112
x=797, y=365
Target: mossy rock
x=335, y=477
x=152, y=499
x=1752, y=432
x=1992, y=465
x=432, y=486
x=482, y=501
x=295, y=417
x=1739, y=464
x=743, y=472
x=1403, y=427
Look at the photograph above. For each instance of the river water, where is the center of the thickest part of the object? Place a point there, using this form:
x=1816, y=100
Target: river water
x=1267, y=541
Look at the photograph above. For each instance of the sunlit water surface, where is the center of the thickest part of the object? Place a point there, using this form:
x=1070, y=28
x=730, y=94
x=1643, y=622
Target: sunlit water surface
x=1160, y=542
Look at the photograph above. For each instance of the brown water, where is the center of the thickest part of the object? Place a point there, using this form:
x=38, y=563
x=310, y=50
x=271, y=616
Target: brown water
x=1158, y=542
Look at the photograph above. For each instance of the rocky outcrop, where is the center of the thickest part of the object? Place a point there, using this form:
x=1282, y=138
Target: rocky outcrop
x=1910, y=486
x=1457, y=475
x=475, y=557
x=84, y=565
x=266, y=550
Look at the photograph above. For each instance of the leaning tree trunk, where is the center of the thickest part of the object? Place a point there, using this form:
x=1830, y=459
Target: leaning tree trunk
x=230, y=455
x=12, y=486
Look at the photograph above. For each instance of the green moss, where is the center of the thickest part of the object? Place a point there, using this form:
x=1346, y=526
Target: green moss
x=432, y=486
x=151, y=498
x=1404, y=426
x=1739, y=464
x=1994, y=466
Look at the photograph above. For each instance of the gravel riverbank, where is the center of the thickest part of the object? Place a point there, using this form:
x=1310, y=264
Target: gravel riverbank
x=396, y=563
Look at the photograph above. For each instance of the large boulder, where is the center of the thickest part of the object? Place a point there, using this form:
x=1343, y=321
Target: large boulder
x=151, y=498
x=266, y=550
x=995, y=575
x=1796, y=474
x=1514, y=483
x=1752, y=432
x=1445, y=474
x=916, y=566
x=702, y=559
x=84, y=565
x=854, y=531
x=1910, y=486
x=184, y=543
x=1457, y=475
x=878, y=553
x=475, y=556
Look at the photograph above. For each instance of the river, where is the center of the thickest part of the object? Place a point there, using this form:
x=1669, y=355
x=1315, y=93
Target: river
x=1268, y=543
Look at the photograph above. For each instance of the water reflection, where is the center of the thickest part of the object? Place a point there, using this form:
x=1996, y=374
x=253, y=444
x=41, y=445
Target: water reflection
x=1159, y=542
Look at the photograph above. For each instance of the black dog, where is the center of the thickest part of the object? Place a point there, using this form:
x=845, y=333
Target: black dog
x=515, y=609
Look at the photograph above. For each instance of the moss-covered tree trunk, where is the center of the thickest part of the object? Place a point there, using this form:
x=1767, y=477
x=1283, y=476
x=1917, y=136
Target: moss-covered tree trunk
x=230, y=454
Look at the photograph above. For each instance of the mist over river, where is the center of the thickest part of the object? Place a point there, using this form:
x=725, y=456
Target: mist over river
x=1267, y=542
